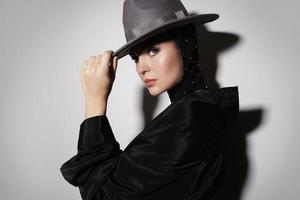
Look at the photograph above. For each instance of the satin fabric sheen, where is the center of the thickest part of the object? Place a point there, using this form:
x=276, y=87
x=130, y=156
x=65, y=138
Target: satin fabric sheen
x=177, y=156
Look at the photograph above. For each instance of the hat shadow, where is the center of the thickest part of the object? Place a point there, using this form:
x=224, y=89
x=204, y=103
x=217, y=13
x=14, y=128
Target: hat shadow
x=236, y=163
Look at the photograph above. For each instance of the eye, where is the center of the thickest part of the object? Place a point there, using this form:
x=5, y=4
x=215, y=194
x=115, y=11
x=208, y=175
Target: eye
x=153, y=50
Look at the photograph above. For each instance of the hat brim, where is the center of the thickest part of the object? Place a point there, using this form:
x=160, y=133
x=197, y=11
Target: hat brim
x=204, y=18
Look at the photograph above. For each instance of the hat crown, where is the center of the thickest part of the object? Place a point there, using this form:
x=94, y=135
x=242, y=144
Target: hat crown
x=142, y=14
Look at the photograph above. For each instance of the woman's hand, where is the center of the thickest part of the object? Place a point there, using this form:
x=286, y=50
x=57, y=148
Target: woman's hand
x=97, y=77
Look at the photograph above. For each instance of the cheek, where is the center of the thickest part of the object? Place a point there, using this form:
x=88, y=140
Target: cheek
x=170, y=69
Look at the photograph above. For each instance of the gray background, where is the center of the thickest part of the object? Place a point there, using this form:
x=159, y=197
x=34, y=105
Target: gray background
x=43, y=44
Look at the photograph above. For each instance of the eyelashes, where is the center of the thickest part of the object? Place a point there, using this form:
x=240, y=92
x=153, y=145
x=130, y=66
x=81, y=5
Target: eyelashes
x=154, y=49
x=151, y=51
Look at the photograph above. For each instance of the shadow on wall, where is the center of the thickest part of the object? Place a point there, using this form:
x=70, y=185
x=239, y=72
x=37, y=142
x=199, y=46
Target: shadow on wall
x=236, y=162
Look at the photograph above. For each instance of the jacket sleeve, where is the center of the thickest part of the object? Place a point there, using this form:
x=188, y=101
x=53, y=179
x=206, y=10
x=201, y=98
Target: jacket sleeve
x=148, y=168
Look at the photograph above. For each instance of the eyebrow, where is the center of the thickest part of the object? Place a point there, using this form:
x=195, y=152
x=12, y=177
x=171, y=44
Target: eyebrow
x=138, y=50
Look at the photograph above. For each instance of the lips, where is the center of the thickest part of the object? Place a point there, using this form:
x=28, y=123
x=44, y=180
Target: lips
x=150, y=82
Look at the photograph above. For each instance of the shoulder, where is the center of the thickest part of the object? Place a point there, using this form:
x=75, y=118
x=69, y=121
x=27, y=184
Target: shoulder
x=186, y=126
x=197, y=110
x=199, y=104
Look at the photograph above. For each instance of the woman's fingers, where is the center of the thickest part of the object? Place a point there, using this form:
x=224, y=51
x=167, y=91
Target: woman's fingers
x=98, y=59
x=115, y=63
x=98, y=74
x=91, y=60
x=83, y=69
x=87, y=65
x=106, y=58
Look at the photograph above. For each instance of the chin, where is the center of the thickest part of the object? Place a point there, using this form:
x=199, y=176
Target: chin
x=154, y=91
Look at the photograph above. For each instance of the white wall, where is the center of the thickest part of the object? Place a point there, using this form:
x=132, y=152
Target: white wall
x=43, y=44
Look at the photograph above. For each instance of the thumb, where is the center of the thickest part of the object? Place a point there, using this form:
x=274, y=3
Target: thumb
x=115, y=63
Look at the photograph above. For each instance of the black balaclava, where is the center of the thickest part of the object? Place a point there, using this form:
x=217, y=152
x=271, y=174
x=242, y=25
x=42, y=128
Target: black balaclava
x=186, y=41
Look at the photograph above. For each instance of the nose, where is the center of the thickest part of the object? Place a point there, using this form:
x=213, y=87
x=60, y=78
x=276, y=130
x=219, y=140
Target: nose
x=142, y=65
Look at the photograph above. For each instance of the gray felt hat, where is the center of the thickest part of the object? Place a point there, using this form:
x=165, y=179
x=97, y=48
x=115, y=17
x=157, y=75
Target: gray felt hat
x=143, y=19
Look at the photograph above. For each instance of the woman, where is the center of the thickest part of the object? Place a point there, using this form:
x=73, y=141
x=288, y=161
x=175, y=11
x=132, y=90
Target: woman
x=178, y=154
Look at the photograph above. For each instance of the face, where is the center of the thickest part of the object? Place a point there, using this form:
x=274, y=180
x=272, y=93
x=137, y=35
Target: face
x=162, y=63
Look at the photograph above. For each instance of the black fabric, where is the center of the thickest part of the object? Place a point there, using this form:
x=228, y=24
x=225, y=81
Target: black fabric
x=186, y=40
x=176, y=156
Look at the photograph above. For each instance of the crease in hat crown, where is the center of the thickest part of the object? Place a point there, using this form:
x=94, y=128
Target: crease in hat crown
x=144, y=18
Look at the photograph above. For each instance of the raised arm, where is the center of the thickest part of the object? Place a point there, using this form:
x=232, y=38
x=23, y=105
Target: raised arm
x=97, y=76
x=167, y=161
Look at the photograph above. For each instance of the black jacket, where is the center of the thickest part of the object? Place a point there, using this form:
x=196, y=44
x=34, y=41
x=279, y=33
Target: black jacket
x=177, y=156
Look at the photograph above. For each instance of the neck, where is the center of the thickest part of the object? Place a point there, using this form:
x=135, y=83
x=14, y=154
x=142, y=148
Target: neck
x=191, y=81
